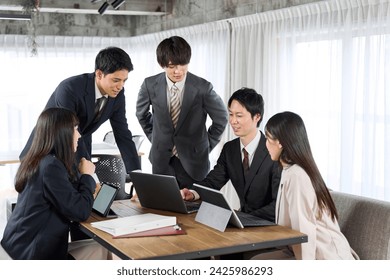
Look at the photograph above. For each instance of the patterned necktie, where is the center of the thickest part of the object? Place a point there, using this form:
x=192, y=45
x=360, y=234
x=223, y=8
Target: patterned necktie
x=99, y=106
x=175, y=105
x=175, y=110
x=245, y=162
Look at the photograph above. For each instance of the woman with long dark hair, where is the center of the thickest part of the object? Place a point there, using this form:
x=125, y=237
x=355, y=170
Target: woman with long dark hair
x=52, y=193
x=304, y=202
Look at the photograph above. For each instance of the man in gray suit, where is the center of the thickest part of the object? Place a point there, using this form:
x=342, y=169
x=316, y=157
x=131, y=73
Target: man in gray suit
x=176, y=125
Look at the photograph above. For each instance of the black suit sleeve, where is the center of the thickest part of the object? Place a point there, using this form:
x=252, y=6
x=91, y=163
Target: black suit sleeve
x=123, y=136
x=73, y=203
x=144, y=116
x=219, y=176
x=217, y=111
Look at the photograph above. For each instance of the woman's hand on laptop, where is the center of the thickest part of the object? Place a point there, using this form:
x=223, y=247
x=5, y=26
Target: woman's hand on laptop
x=186, y=194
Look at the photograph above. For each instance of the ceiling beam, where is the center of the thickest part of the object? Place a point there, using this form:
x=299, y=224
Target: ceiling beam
x=138, y=8
x=15, y=16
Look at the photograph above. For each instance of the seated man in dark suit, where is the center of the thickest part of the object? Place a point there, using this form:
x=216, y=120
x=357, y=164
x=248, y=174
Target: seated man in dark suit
x=245, y=161
x=255, y=177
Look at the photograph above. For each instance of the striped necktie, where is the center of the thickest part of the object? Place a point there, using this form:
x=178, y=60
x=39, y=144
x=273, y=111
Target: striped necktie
x=175, y=110
x=245, y=162
x=175, y=105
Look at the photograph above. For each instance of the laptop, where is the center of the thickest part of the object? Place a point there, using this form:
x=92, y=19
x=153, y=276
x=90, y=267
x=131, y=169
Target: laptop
x=104, y=199
x=237, y=218
x=161, y=192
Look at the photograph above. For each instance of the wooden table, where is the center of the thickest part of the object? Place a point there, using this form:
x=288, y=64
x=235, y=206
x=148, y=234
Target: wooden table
x=199, y=241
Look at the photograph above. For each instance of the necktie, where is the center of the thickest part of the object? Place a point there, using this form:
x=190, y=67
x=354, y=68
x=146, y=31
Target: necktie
x=175, y=110
x=175, y=105
x=245, y=162
x=99, y=106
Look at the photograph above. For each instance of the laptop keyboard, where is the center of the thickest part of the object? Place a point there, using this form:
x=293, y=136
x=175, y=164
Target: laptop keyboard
x=249, y=220
x=123, y=210
x=192, y=206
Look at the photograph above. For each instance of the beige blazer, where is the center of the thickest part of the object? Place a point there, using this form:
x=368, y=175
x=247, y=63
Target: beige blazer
x=297, y=208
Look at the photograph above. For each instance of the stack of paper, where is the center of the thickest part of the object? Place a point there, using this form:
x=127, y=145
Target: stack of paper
x=133, y=224
x=164, y=231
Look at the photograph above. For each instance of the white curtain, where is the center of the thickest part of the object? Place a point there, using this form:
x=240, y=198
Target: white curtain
x=327, y=61
x=330, y=63
x=28, y=81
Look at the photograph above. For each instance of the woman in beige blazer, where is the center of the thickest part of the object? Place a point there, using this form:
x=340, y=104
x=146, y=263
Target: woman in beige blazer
x=304, y=202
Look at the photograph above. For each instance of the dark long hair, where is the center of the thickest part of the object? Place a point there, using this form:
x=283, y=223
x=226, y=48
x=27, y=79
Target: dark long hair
x=289, y=129
x=53, y=135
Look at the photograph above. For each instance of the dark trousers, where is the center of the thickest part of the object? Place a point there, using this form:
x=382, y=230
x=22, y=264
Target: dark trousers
x=183, y=179
x=76, y=233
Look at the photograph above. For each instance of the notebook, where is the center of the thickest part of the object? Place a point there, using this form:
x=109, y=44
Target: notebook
x=238, y=219
x=134, y=224
x=161, y=192
x=104, y=199
x=164, y=231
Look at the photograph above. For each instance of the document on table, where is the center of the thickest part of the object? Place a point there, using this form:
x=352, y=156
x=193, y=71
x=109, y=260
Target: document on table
x=164, y=231
x=133, y=224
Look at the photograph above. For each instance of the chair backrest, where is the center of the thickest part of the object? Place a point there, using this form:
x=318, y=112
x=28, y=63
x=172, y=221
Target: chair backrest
x=110, y=169
x=137, y=139
x=109, y=138
x=365, y=222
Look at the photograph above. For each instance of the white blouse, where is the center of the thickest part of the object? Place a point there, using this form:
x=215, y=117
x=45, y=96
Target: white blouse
x=297, y=208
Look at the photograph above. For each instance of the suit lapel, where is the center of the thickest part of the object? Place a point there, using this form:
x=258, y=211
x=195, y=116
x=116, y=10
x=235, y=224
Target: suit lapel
x=189, y=94
x=160, y=90
x=260, y=155
x=237, y=161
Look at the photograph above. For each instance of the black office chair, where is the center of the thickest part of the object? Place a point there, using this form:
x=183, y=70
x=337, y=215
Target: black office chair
x=137, y=139
x=110, y=169
x=109, y=138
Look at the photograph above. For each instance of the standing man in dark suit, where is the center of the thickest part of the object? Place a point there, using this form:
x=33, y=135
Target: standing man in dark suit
x=82, y=95
x=255, y=177
x=176, y=126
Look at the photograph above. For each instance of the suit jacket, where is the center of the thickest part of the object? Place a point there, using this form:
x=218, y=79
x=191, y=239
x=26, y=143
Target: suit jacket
x=193, y=141
x=258, y=191
x=39, y=225
x=297, y=208
x=78, y=95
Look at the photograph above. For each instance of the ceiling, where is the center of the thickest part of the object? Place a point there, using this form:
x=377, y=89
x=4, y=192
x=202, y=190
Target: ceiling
x=130, y=7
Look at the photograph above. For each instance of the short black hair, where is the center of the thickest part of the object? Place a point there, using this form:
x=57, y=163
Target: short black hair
x=251, y=100
x=112, y=59
x=173, y=50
